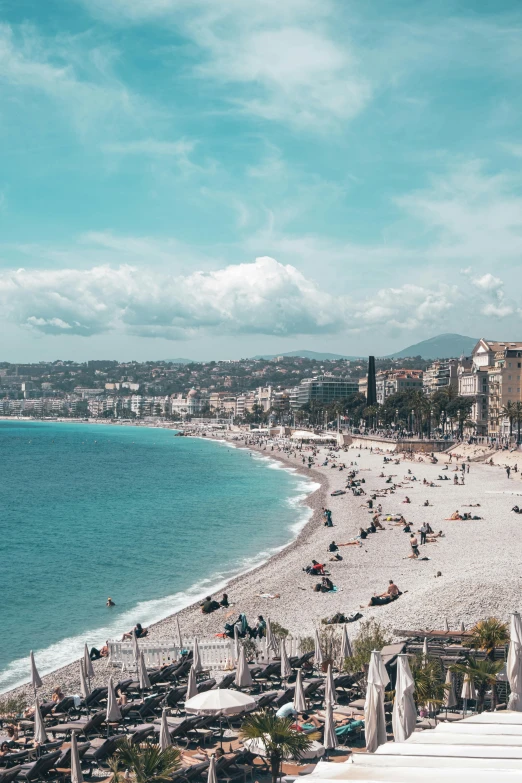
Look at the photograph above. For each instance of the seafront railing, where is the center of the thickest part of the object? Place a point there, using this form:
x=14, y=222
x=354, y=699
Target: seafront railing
x=215, y=654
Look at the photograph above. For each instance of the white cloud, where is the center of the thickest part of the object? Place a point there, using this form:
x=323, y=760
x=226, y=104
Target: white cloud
x=497, y=310
x=488, y=282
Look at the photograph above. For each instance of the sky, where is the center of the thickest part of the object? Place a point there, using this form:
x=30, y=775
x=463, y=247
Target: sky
x=214, y=180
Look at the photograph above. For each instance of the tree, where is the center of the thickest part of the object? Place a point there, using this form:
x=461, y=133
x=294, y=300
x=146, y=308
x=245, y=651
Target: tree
x=488, y=634
x=371, y=636
x=483, y=675
x=518, y=418
x=430, y=687
x=279, y=739
x=145, y=763
x=509, y=412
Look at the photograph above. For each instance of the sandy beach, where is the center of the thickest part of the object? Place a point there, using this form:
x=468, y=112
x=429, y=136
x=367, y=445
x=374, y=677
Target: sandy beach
x=479, y=561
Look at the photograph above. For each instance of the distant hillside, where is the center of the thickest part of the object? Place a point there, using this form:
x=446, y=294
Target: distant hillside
x=306, y=355
x=181, y=361
x=444, y=346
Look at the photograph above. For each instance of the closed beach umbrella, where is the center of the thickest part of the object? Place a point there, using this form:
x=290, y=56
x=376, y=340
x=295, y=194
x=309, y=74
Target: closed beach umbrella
x=35, y=677
x=143, y=674
x=374, y=719
x=179, y=632
x=404, y=716
x=135, y=647
x=514, y=663
x=346, y=647
x=446, y=625
x=243, y=677
x=212, y=777
x=84, y=687
x=462, y=626
x=196, y=658
x=87, y=663
x=425, y=649
x=286, y=669
x=299, y=697
x=192, y=687
x=450, y=697
x=330, y=737
x=113, y=714
x=318, y=655
x=236, y=643
x=39, y=730
x=468, y=689
x=329, y=691
x=164, y=735
x=271, y=642
x=76, y=767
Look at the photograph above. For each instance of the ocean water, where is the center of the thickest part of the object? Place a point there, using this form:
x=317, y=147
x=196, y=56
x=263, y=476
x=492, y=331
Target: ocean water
x=154, y=521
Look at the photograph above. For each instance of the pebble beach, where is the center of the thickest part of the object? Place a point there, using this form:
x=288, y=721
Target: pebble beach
x=479, y=561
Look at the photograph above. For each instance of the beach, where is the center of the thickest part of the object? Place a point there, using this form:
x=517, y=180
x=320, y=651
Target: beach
x=478, y=560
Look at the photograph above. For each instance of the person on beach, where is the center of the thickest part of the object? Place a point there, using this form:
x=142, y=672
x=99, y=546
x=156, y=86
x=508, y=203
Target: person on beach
x=414, y=544
x=260, y=630
x=110, y=602
x=389, y=595
x=224, y=601
x=95, y=654
x=317, y=568
x=138, y=630
x=423, y=532
x=57, y=695
x=209, y=605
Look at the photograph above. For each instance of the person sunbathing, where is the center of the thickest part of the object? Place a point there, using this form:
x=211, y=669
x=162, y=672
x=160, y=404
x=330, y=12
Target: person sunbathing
x=209, y=605
x=517, y=510
x=455, y=515
x=57, y=695
x=391, y=594
x=138, y=630
x=406, y=500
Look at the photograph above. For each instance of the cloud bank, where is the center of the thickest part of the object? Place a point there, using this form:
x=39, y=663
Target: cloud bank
x=264, y=297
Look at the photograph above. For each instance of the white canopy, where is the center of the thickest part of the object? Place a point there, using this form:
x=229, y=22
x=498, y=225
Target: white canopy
x=222, y=701
x=514, y=663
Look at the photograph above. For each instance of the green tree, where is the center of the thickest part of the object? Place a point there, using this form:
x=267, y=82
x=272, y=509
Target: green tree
x=483, y=675
x=371, y=636
x=509, y=412
x=145, y=763
x=428, y=674
x=279, y=739
x=488, y=634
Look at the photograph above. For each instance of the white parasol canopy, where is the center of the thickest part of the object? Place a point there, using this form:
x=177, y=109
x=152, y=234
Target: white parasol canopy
x=243, y=677
x=35, y=677
x=450, y=697
x=164, y=735
x=196, y=658
x=330, y=737
x=318, y=654
x=84, y=686
x=514, y=664
x=39, y=729
x=222, y=701
x=346, y=647
x=87, y=663
x=113, y=713
x=374, y=719
x=143, y=674
x=299, y=697
x=404, y=716
x=76, y=767
x=192, y=688
x=286, y=669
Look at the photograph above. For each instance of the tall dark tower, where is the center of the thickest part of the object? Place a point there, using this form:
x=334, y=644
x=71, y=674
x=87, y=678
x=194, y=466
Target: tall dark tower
x=371, y=394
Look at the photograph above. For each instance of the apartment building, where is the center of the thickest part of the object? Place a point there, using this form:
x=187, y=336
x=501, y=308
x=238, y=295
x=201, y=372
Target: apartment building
x=323, y=389
x=393, y=381
x=441, y=374
x=503, y=363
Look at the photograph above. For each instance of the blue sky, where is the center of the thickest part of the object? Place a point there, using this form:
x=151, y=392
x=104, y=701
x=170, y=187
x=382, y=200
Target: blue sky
x=217, y=179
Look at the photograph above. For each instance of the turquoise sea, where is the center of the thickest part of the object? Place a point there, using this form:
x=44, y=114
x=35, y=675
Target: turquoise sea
x=153, y=520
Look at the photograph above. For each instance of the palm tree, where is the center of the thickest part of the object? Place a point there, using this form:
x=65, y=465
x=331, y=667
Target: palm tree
x=145, y=763
x=509, y=412
x=482, y=674
x=279, y=739
x=518, y=418
x=430, y=687
x=488, y=634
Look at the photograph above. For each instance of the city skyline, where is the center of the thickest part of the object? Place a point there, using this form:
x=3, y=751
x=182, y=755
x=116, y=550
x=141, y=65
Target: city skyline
x=186, y=180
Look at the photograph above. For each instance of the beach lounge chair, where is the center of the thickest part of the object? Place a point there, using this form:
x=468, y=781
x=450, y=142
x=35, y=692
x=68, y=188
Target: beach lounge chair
x=139, y=734
x=64, y=707
x=100, y=750
x=181, y=670
x=95, y=697
x=284, y=697
x=227, y=681
x=176, y=696
x=85, y=727
x=8, y=775
x=266, y=674
x=205, y=685
x=144, y=709
x=190, y=773
x=313, y=686
x=39, y=768
x=302, y=660
x=266, y=699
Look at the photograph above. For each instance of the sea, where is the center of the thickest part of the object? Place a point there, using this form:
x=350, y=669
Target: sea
x=152, y=520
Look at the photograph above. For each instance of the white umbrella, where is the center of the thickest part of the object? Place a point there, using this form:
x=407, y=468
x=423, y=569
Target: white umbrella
x=286, y=669
x=374, y=719
x=221, y=701
x=514, y=664
x=39, y=730
x=87, y=663
x=212, y=777
x=236, y=643
x=243, y=677
x=346, y=647
x=84, y=687
x=179, y=632
x=468, y=692
x=404, y=716
x=425, y=649
x=164, y=735
x=330, y=737
x=143, y=674
x=299, y=697
x=76, y=767
x=329, y=691
x=135, y=647
x=113, y=714
x=450, y=698
x=35, y=677
x=196, y=658
x=192, y=687
x=318, y=655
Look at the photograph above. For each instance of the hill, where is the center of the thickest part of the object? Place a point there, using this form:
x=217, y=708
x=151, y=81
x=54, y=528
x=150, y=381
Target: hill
x=318, y=356
x=444, y=346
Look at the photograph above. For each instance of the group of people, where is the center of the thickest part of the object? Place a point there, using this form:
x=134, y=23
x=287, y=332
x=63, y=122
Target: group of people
x=210, y=605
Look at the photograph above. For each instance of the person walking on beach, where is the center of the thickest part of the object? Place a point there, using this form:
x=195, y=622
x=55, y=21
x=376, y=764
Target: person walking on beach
x=414, y=546
x=423, y=531
x=508, y=471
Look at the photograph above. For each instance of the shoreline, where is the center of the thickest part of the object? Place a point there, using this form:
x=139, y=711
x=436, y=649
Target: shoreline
x=68, y=672
x=479, y=576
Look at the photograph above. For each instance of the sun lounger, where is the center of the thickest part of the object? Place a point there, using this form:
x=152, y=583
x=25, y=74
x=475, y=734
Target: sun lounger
x=205, y=685
x=176, y=696
x=284, y=697
x=188, y=774
x=227, y=681
x=37, y=769
x=146, y=708
x=8, y=775
x=265, y=699
x=63, y=707
x=95, y=697
x=84, y=727
x=313, y=686
x=101, y=750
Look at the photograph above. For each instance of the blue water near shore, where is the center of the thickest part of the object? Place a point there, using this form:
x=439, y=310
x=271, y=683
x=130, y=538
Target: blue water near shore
x=151, y=519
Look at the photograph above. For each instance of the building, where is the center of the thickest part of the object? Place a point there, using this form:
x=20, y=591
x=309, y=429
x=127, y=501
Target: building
x=324, y=390
x=503, y=363
x=441, y=374
x=474, y=382
x=391, y=382
x=191, y=405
